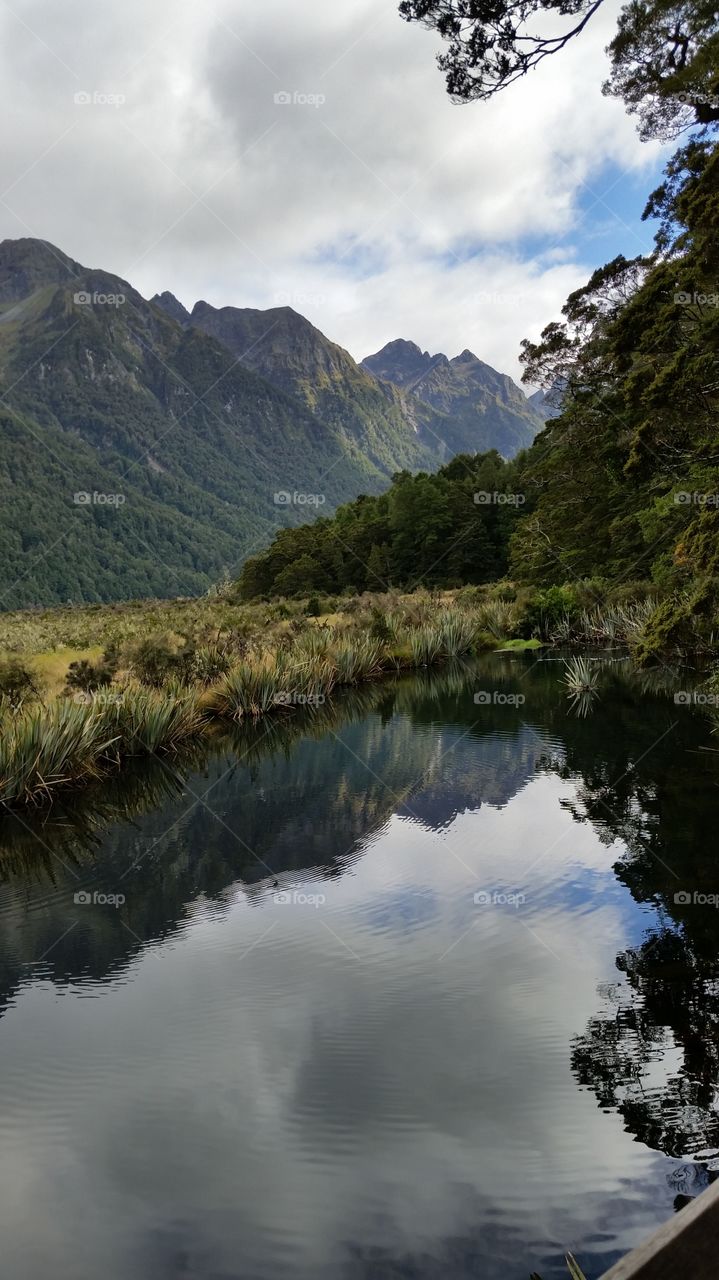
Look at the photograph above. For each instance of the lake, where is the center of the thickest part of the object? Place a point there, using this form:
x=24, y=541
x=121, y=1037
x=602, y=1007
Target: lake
x=425, y=985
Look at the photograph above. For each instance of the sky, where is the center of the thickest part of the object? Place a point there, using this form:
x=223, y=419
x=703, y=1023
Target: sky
x=305, y=153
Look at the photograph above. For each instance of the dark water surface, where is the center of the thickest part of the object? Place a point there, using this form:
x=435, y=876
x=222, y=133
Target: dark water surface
x=469, y=1026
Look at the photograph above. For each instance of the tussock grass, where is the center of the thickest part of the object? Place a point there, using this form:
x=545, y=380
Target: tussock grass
x=149, y=722
x=50, y=747
x=71, y=742
x=180, y=666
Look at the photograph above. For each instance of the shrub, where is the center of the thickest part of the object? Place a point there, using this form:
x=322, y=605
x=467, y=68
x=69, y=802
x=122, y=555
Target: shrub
x=18, y=684
x=157, y=658
x=547, y=609
x=208, y=664
x=380, y=627
x=87, y=676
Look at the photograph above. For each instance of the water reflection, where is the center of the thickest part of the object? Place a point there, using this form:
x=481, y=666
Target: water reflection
x=363, y=962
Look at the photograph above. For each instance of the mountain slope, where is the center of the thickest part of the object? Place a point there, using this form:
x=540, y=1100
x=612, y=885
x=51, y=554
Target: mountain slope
x=373, y=419
x=480, y=408
x=104, y=393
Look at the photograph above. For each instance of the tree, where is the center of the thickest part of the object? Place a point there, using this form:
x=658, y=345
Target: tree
x=299, y=578
x=664, y=57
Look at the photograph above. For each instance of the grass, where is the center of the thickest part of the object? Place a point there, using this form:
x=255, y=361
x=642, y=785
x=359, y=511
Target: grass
x=520, y=646
x=182, y=665
x=50, y=747
x=70, y=743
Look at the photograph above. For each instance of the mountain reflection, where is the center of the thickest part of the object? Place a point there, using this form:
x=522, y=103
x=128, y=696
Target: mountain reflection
x=305, y=798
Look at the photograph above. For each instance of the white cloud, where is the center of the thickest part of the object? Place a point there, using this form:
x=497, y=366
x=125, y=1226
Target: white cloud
x=391, y=211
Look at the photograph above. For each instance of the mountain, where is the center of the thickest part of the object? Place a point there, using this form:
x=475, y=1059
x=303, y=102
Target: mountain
x=545, y=403
x=480, y=408
x=136, y=456
x=389, y=429
x=146, y=449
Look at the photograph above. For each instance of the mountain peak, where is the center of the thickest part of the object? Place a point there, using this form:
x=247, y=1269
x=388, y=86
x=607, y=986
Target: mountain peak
x=402, y=362
x=172, y=306
x=478, y=407
x=28, y=264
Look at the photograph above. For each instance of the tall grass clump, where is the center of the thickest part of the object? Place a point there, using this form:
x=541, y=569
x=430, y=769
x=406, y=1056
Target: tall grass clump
x=148, y=721
x=50, y=747
x=425, y=645
x=498, y=617
x=248, y=690
x=456, y=632
x=357, y=659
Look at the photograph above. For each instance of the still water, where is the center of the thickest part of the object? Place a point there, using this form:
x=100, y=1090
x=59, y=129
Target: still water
x=400, y=990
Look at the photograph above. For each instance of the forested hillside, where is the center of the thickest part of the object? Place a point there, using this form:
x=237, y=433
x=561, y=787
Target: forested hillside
x=622, y=487
x=189, y=438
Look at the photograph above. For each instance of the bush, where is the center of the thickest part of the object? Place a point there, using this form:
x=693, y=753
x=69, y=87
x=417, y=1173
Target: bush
x=160, y=657
x=546, y=610
x=380, y=627
x=87, y=676
x=314, y=609
x=18, y=684
x=208, y=664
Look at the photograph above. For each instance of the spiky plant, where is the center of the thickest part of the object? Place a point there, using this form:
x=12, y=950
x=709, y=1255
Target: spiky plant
x=425, y=646
x=47, y=748
x=149, y=721
x=249, y=689
x=358, y=659
x=579, y=676
x=499, y=617
x=456, y=633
